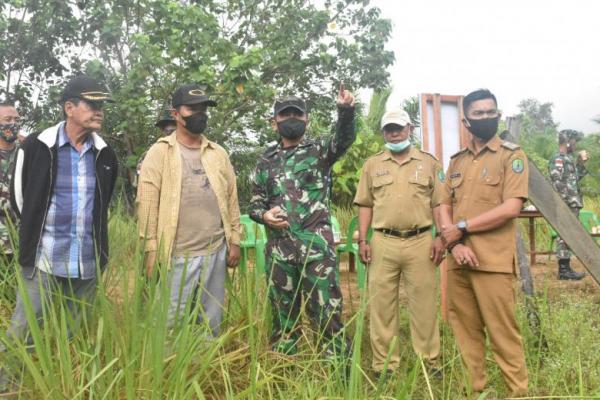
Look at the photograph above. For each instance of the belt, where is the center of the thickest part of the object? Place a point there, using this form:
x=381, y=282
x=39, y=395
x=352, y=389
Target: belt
x=403, y=234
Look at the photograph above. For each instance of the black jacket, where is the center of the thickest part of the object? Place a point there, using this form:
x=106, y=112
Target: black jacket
x=33, y=184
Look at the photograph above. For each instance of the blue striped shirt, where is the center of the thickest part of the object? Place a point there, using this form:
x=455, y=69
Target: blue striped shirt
x=67, y=246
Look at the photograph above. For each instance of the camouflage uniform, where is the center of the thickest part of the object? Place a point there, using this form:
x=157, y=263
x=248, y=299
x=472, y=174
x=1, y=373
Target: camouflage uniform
x=6, y=160
x=565, y=176
x=301, y=260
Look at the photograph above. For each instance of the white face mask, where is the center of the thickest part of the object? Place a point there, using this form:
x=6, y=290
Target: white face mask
x=398, y=147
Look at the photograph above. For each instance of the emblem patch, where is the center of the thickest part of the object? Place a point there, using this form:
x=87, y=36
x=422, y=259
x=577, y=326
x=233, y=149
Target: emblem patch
x=441, y=176
x=518, y=165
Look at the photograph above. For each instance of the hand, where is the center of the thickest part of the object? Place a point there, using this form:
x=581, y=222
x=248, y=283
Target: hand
x=438, y=251
x=450, y=234
x=464, y=255
x=345, y=97
x=233, y=256
x=364, y=251
x=276, y=218
x=583, y=156
x=150, y=260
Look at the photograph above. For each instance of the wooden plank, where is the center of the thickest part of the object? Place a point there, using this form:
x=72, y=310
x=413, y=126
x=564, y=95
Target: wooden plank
x=567, y=225
x=424, y=122
x=560, y=217
x=437, y=126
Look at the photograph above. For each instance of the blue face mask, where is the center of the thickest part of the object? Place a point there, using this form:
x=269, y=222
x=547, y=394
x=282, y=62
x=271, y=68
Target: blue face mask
x=398, y=147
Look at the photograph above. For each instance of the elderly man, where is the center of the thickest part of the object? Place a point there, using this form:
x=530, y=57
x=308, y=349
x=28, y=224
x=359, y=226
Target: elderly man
x=398, y=195
x=188, y=210
x=61, y=189
x=9, y=132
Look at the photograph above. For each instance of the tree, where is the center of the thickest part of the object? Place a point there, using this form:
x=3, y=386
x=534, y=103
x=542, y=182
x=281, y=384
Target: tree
x=536, y=117
x=244, y=51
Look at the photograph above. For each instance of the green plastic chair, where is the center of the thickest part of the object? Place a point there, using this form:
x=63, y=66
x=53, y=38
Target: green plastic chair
x=587, y=218
x=248, y=240
x=352, y=249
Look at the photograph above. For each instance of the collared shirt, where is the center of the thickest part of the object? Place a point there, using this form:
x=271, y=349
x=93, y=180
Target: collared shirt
x=159, y=193
x=67, y=247
x=477, y=183
x=401, y=194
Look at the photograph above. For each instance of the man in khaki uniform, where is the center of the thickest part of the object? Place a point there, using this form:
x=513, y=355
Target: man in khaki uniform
x=486, y=185
x=397, y=195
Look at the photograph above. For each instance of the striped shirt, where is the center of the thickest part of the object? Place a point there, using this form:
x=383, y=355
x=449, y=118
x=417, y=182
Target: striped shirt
x=67, y=246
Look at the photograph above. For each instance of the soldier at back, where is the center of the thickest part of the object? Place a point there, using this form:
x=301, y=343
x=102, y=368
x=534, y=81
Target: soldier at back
x=565, y=175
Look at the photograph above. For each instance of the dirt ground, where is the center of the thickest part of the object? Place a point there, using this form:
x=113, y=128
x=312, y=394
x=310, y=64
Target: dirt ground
x=544, y=276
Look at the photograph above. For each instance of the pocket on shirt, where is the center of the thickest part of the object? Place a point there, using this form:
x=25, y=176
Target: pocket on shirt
x=490, y=189
x=382, y=185
x=309, y=176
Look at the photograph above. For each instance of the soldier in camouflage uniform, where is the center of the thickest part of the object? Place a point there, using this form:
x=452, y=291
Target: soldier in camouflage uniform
x=565, y=175
x=291, y=197
x=9, y=129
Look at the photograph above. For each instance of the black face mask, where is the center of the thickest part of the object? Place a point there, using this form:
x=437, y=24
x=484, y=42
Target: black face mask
x=9, y=132
x=196, y=123
x=291, y=128
x=484, y=129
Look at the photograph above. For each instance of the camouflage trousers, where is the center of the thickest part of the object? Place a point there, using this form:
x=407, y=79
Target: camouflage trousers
x=297, y=276
x=562, y=250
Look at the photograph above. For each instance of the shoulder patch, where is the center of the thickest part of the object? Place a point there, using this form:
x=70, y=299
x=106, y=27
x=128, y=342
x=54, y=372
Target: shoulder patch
x=518, y=165
x=510, y=146
x=458, y=153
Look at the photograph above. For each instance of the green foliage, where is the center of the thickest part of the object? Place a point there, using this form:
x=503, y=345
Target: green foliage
x=122, y=349
x=245, y=52
x=369, y=141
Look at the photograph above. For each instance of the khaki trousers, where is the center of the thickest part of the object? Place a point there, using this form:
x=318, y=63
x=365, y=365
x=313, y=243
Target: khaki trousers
x=393, y=258
x=478, y=300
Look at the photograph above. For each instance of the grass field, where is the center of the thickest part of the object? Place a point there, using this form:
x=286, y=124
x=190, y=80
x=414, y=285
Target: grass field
x=123, y=350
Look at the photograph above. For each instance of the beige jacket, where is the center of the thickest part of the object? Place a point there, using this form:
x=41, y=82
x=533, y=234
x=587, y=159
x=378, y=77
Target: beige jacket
x=159, y=193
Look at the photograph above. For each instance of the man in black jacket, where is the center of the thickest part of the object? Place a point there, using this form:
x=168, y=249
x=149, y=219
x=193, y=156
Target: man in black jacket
x=61, y=189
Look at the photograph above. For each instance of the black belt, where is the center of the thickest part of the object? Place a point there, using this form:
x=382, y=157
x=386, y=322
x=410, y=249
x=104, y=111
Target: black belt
x=403, y=234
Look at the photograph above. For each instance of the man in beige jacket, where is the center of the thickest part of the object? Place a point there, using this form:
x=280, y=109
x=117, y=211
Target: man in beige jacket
x=188, y=210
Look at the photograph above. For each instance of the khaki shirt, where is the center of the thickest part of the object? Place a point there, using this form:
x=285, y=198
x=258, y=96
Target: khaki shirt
x=159, y=193
x=402, y=195
x=476, y=183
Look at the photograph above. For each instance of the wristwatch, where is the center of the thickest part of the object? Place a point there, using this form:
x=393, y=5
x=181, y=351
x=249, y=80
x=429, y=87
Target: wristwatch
x=462, y=226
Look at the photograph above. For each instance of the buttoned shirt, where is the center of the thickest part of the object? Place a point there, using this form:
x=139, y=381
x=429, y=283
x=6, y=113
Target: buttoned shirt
x=477, y=182
x=401, y=194
x=67, y=247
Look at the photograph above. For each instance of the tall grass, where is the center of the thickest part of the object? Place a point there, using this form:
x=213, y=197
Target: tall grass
x=122, y=348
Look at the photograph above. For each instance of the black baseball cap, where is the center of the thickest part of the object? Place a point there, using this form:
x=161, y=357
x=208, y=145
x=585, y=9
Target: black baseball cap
x=191, y=94
x=86, y=88
x=165, y=119
x=289, y=102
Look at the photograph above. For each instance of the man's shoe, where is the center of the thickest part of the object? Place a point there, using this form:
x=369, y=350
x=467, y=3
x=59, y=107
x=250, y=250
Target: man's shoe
x=565, y=273
x=384, y=376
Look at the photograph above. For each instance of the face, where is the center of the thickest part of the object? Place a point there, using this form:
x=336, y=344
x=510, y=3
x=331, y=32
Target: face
x=289, y=113
x=9, y=115
x=572, y=144
x=169, y=128
x=86, y=114
x=394, y=133
x=483, y=109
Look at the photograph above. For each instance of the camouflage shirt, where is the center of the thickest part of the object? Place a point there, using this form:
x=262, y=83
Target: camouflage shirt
x=6, y=160
x=565, y=176
x=297, y=180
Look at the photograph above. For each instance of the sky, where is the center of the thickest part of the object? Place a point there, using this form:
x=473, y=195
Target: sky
x=548, y=50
